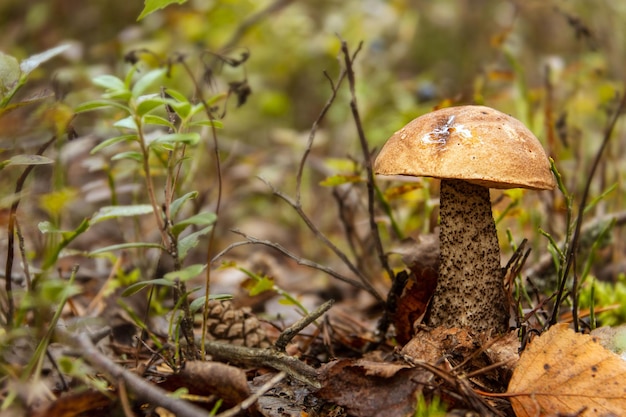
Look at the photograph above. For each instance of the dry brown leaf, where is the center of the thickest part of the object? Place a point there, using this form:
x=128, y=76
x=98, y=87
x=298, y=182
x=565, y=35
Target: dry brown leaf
x=205, y=378
x=365, y=388
x=565, y=372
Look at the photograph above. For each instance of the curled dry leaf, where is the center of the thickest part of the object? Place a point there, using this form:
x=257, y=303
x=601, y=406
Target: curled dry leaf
x=225, y=382
x=411, y=296
x=367, y=388
x=567, y=373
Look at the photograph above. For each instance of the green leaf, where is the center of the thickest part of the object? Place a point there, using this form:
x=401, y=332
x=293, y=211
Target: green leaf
x=26, y=160
x=198, y=303
x=186, y=273
x=190, y=138
x=126, y=123
x=138, y=286
x=151, y=119
x=9, y=73
x=182, y=108
x=215, y=123
x=134, y=155
x=98, y=105
x=113, y=141
x=115, y=87
x=47, y=227
x=122, y=246
x=112, y=212
x=32, y=62
x=68, y=237
x=109, y=82
x=148, y=102
x=262, y=285
x=190, y=242
x=151, y=6
x=176, y=95
x=147, y=80
x=178, y=203
x=200, y=219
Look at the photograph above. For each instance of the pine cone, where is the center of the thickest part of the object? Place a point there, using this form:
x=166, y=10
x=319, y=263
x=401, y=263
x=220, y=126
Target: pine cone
x=236, y=326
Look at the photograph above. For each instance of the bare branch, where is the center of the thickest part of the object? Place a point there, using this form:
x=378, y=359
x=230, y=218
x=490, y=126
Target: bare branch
x=367, y=159
x=299, y=260
x=333, y=86
x=245, y=404
x=290, y=332
x=115, y=373
x=364, y=284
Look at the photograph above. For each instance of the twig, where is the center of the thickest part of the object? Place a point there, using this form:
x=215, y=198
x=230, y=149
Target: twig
x=245, y=404
x=334, y=86
x=297, y=204
x=364, y=282
x=573, y=247
x=115, y=373
x=22, y=246
x=367, y=158
x=8, y=269
x=264, y=357
x=299, y=260
x=291, y=331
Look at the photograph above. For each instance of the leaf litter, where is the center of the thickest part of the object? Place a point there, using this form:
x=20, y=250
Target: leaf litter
x=568, y=373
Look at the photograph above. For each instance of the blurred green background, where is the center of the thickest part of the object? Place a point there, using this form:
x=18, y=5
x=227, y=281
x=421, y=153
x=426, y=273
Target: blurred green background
x=557, y=65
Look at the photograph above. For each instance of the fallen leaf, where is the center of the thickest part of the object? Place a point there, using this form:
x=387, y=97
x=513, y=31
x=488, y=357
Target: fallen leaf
x=91, y=403
x=563, y=373
x=366, y=388
x=201, y=378
x=412, y=294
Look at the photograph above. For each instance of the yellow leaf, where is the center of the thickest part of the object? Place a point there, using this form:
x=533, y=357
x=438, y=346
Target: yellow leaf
x=567, y=373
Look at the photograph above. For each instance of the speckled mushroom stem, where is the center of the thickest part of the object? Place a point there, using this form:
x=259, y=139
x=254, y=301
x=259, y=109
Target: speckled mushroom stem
x=470, y=290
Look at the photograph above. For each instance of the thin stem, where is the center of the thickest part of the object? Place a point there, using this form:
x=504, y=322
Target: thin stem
x=367, y=158
x=572, y=248
x=321, y=236
x=333, y=95
x=8, y=268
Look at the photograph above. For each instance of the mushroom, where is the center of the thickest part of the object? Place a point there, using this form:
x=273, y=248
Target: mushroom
x=471, y=149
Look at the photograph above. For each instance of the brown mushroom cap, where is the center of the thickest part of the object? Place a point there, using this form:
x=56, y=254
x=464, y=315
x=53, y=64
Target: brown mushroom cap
x=476, y=144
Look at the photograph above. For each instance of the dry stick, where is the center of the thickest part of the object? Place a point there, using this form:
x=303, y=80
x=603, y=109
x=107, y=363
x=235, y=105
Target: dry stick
x=245, y=404
x=291, y=331
x=572, y=249
x=300, y=261
x=8, y=268
x=364, y=282
x=22, y=246
x=270, y=358
x=367, y=159
x=348, y=225
x=309, y=145
x=114, y=373
x=297, y=204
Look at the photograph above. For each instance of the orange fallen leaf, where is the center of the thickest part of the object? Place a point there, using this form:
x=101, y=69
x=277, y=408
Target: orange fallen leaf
x=565, y=372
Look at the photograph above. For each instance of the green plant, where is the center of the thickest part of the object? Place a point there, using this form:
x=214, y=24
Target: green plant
x=432, y=408
x=157, y=132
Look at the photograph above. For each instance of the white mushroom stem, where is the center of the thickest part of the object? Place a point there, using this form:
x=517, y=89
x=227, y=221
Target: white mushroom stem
x=470, y=291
